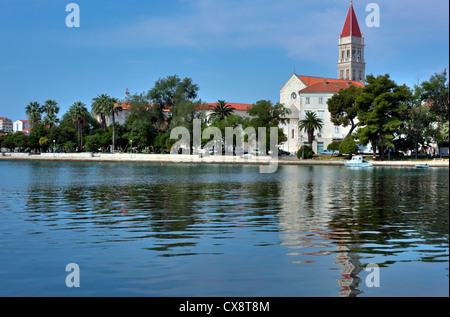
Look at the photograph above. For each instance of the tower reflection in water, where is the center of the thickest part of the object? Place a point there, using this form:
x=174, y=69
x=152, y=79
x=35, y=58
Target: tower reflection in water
x=308, y=223
x=351, y=266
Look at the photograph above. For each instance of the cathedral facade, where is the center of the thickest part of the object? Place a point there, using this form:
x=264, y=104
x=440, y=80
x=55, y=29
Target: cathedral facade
x=302, y=94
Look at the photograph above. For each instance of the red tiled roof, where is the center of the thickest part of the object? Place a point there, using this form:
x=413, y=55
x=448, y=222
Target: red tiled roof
x=205, y=106
x=236, y=106
x=351, y=27
x=127, y=106
x=331, y=85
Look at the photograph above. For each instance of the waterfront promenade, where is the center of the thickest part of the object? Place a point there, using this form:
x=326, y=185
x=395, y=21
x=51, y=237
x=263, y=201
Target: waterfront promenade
x=196, y=159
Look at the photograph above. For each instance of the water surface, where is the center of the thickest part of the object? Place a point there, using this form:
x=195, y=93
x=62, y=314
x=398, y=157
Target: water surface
x=217, y=230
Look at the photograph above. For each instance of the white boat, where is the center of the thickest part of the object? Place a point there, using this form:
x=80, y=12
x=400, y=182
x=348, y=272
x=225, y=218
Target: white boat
x=421, y=165
x=358, y=161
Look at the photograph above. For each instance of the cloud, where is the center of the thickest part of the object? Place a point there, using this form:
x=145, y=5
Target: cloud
x=227, y=25
x=304, y=30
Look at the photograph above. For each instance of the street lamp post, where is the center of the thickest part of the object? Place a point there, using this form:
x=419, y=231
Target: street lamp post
x=54, y=147
x=131, y=148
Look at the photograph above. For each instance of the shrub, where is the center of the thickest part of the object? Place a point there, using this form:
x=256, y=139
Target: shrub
x=93, y=142
x=69, y=146
x=305, y=152
x=348, y=146
x=333, y=146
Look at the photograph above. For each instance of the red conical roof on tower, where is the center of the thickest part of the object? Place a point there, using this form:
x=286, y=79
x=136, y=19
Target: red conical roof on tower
x=351, y=27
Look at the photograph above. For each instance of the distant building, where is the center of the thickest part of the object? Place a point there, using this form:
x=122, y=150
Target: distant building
x=22, y=125
x=6, y=125
x=120, y=118
x=302, y=94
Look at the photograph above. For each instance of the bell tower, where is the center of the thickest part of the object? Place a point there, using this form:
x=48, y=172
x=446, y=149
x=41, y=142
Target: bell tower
x=351, y=65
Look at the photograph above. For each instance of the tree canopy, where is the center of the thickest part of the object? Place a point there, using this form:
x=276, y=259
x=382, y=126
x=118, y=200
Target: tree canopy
x=382, y=110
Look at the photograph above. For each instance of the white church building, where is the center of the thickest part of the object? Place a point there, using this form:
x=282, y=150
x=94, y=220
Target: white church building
x=302, y=94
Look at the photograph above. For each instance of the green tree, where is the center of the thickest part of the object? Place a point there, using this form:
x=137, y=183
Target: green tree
x=51, y=109
x=266, y=115
x=160, y=142
x=99, y=107
x=221, y=111
x=309, y=124
x=69, y=146
x=93, y=142
x=305, y=152
x=37, y=132
x=142, y=123
x=334, y=146
x=435, y=91
x=231, y=121
x=348, y=146
x=112, y=108
x=343, y=109
x=44, y=143
x=79, y=116
x=183, y=114
x=417, y=128
x=34, y=112
x=167, y=92
x=382, y=110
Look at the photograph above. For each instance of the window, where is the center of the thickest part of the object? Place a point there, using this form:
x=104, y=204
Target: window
x=306, y=112
x=342, y=74
x=354, y=75
x=307, y=100
x=293, y=133
x=320, y=114
x=353, y=53
x=319, y=147
x=359, y=54
x=347, y=73
x=343, y=55
x=337, y=132
x=320, y=99
x=348, y=53
x=360, y=75
x=293, y=95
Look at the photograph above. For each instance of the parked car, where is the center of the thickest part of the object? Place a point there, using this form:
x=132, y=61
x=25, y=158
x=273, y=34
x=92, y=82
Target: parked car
x=283, y=153
x=327, y=152
x=257, y=152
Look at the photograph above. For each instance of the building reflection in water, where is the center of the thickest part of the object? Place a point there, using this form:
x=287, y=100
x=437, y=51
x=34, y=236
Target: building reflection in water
x=351, y=266
x=308, y=209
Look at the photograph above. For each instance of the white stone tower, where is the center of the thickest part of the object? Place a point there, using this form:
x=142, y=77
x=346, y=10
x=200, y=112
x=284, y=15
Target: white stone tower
x=351, y=65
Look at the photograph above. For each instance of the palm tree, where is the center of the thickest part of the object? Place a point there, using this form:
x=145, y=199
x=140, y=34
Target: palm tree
x=221, y=111
x=51, y=108
x=33, y=110
x=79, y=113
x=113, y=107
x=310, y=123
x=99, y=108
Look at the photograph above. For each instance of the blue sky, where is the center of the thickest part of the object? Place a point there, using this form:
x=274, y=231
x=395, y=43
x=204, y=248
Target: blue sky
x=236, y=50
